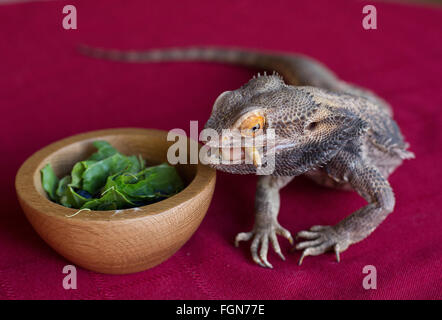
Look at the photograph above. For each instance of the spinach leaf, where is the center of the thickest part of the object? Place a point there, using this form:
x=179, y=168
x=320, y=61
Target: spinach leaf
x=105, y=150
x=62, y=186
x=74, y=199
x=138, y=190
x=94, y=177
x=112, y=199
x=142, y=162
x=135, y=164
x=62, y=190
x=77, y=173
x=49, y=181
x=109, y=180
x=164, y=179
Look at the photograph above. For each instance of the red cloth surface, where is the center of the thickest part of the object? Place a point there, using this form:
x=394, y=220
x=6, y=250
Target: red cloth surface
x=49, y=92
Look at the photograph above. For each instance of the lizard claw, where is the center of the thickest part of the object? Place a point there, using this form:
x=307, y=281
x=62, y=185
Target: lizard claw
x=321, y=239
x=260, y=240
x=243, y=236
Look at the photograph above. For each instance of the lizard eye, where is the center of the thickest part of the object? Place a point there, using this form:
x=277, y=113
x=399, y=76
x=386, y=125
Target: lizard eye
x=252, y=125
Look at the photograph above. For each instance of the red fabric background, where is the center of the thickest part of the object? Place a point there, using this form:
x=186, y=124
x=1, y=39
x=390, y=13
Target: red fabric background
x=48, y=92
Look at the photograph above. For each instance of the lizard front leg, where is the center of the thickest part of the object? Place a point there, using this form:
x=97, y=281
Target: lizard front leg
x=370, y=184
x=266, y=225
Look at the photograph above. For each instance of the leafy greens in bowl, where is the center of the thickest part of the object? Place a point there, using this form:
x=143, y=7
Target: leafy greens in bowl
x=109, y=180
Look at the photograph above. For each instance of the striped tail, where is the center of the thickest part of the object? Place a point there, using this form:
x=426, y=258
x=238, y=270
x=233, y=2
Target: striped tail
x=209, y=54
x=295, y=69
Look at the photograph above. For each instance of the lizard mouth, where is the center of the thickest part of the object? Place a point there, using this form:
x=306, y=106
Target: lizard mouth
x=234, y=154
x=246, y=155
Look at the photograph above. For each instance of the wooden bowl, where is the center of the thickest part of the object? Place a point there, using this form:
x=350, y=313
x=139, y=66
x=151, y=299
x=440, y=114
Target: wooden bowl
x=116, y=242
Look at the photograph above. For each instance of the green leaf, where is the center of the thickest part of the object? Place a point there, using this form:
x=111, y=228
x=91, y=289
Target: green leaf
x=62, y=186
x=135, y=164
x=164, y=179
x=125, y=181
x=142, y=162
x=105, y=150
x=74, y=199
x=49, y=181
x=112, y=199
x=62, y=191
x=153, y=182
x=141, y=189
x=94, y=177
x=64, y=201
x=76, y=174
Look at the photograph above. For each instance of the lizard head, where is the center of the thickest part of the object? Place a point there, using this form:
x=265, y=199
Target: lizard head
x=268, y=122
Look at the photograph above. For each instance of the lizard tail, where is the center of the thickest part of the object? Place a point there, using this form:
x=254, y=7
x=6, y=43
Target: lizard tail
x=295, y=69
x=210, y=54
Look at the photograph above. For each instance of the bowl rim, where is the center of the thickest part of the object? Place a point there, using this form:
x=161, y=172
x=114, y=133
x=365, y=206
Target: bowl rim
x=30, y=196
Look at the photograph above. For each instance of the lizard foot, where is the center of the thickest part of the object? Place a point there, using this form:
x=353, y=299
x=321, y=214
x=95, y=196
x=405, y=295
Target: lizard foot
x=260, y=238
x=321, y=239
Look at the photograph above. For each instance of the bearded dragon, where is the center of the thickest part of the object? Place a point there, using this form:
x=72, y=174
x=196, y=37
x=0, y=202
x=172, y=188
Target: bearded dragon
x=334, y=132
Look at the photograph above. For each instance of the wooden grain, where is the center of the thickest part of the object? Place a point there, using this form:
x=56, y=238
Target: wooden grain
x=116, y=242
